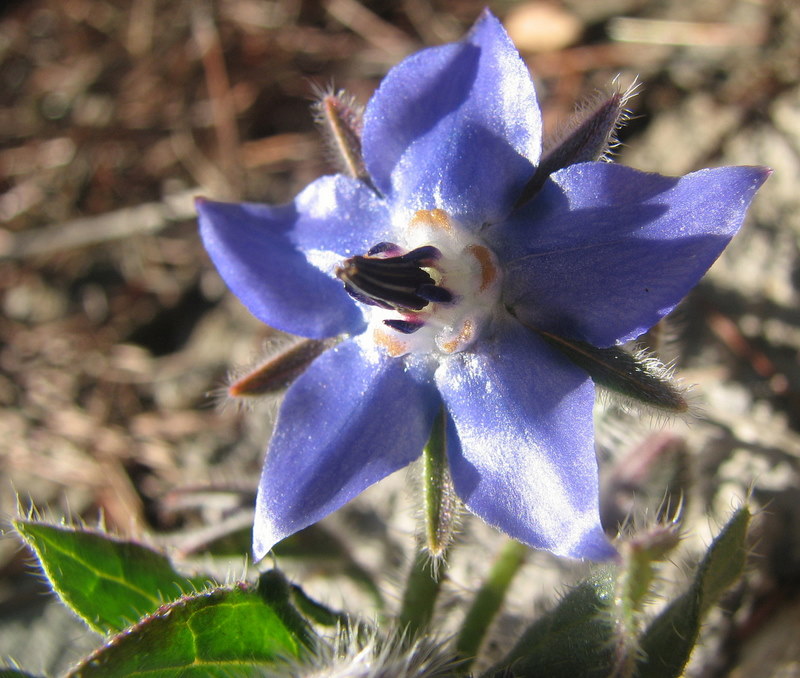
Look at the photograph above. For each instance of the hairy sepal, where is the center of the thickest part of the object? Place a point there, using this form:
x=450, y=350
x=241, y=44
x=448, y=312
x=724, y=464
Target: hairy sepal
x=341, y=120
x=636, y=376
x=279, y=369
x=590, y=135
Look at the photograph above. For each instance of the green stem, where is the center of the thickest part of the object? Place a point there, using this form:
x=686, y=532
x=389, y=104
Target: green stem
x=424, y=579
x=488, y=601
x=420, y=596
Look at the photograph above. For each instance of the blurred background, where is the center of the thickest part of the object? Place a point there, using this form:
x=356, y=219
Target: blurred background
x=116, y=334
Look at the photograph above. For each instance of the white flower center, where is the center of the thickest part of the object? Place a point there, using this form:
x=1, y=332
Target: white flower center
x=433, y=292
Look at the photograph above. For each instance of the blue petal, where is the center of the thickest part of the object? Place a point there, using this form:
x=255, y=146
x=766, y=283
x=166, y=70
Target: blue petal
x=279, y=260
x=521, y=447
x=604, y=252
x=456, y=127
x=355, y=416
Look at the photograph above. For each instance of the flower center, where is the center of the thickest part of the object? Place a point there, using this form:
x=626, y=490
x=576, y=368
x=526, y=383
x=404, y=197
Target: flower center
x=399, y=282
x=434, y=293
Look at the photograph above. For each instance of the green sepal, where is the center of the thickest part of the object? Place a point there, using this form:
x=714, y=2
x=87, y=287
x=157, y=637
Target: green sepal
x=341, y=119
x=439, y=512
x=440, y=505
x=279, y=370
x=574, y=639
x=590, y=136
x=668, y=641
x=109, y=583
x=220, y=632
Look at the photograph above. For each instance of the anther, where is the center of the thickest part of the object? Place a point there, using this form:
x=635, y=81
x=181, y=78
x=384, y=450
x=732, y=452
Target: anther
x=364, y=298
x=398, y=282
x=440, y=295
x=426, y=255
x=403, y=326
x=382, y=247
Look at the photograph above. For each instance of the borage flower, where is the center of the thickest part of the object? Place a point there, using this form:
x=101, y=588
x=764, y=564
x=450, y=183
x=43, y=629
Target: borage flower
x=453, y=272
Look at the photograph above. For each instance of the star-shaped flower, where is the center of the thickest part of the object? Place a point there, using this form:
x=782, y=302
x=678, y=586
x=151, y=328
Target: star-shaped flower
x=445, y=290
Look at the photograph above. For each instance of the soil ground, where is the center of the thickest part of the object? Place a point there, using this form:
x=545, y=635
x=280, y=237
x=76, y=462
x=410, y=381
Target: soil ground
x=116, y=332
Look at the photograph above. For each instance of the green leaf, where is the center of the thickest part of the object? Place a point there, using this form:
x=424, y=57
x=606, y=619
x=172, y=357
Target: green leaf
x=668, y=641
x=574, y=639
x=108, y=583
x=223, y=632
x=16, y=673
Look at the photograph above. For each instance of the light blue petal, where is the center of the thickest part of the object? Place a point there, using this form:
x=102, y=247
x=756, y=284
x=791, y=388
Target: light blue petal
x=279, y=261
x=521, y=447
x=604, y=252
x=456, y=127
x=355, y=416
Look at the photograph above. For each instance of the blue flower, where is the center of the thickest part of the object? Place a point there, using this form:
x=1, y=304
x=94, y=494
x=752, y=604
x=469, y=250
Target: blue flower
x=443, y=289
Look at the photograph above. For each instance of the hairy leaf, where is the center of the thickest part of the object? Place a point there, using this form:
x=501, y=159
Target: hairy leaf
x=109, y=583
x=223, y=632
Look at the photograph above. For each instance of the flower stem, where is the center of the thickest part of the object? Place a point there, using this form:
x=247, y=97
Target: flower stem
x=419, y=599
x=488, y=601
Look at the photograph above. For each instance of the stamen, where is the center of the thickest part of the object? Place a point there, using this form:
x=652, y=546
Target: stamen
x=394, y=282
x=404, y=326
x=382, y=247
x=385, y=288
x=435, y=293
x=363, y=298
x=423, y=256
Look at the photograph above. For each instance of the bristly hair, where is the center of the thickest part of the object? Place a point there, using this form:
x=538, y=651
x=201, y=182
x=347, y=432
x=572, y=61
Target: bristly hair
x=676, y=396
x=341, y=120
x=361, y=651
x=601, y=115
x=589, y=135
x=279, y=363
x=636, y=376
